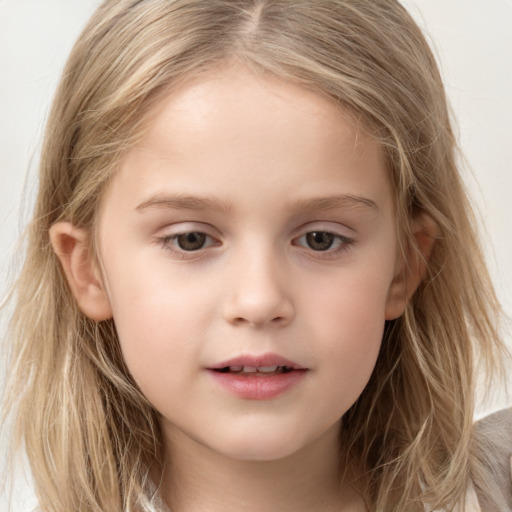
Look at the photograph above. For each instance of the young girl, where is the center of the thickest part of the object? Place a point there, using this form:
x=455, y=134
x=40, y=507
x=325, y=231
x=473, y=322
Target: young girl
x=252, y=279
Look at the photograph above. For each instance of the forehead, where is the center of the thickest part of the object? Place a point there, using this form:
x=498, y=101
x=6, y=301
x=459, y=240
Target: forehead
x=235, y=96
x=233, y=129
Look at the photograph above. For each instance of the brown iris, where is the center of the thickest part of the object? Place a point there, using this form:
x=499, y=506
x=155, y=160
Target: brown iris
x=320, y=240
x=192, y=241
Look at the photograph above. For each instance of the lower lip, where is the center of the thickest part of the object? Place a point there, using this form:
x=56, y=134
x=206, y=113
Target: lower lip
x=258, y=387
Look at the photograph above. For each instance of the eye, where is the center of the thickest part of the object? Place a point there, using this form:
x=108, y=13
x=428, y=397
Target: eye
x=189, y=241
x=323, y=241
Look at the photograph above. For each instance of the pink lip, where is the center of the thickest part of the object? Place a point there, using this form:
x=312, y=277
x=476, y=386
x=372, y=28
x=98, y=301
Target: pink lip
x=258, y=386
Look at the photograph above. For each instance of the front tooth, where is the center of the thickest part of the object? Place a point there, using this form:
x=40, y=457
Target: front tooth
x=236, y=368
x=267, y=369
x=250, y=369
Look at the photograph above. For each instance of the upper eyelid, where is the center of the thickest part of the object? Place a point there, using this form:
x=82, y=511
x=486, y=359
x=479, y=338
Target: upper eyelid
x=344, y=238
x=336, y=228
x=319, y=224
x=180, y=228
x=297, y=232
x=174, y=236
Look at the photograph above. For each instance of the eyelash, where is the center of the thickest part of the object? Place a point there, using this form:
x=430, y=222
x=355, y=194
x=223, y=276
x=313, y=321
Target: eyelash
x=169, y=243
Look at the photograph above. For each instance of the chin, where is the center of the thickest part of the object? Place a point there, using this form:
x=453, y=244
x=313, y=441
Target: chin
x=259, y=447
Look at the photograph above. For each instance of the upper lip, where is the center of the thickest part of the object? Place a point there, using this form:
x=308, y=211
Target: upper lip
x=257, y=361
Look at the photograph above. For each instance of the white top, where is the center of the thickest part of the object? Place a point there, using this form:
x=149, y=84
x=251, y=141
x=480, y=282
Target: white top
x=472, y=504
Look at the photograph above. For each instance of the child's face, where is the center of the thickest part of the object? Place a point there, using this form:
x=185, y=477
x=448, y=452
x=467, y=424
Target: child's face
x=252, y=220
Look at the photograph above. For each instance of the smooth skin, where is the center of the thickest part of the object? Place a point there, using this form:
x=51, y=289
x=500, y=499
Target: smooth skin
x=253, y=217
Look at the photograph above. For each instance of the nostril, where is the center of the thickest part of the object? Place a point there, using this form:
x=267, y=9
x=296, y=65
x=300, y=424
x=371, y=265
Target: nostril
x=252, y=321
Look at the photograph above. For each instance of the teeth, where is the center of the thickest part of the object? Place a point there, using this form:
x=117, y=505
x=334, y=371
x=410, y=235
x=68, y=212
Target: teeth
x=254, y=369
x=267, y=369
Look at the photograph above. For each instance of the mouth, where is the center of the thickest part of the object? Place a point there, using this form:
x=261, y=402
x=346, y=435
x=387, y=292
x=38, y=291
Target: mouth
x=255, y=371
x=254, y=366
x=258, y=377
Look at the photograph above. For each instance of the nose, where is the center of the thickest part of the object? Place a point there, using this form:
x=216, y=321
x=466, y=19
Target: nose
x=259, y=292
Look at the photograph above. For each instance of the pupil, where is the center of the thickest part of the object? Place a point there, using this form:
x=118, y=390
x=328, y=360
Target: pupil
x=191, y=241
x=320, y=240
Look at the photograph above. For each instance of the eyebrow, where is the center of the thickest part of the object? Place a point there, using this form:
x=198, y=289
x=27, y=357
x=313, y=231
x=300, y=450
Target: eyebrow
x=339, y=201
x=188, y=202
x=185, y=202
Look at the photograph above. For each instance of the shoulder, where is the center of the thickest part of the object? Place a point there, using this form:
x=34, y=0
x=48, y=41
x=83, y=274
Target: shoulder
x=492, y=468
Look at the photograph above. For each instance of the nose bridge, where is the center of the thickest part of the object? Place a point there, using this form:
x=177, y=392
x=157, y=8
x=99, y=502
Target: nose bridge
x=259, y=292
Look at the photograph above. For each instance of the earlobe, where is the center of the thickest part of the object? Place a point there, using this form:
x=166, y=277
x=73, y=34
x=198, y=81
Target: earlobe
x=411, y=267
x=72, y=247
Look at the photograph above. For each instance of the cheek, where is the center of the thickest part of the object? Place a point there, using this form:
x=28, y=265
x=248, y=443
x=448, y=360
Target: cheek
x=159, y=325
x=351, y=316
x=360, y=325
x=151, y=301
x=352, y=303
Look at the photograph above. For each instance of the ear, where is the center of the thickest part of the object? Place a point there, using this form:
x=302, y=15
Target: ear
x=411, y=267
x=72, y=246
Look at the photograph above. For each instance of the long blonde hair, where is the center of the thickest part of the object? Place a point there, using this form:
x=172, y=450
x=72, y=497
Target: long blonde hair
x=92, y=439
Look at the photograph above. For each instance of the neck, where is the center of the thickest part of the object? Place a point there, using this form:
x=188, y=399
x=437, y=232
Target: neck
x=200, y=479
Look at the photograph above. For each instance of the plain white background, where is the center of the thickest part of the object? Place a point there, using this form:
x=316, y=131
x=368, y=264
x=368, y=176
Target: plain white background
x=471, y=38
